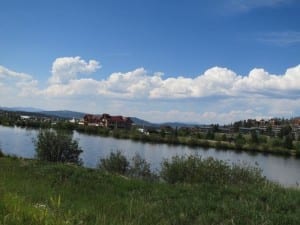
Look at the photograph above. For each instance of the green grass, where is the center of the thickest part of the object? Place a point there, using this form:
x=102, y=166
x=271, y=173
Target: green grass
x=33, y=192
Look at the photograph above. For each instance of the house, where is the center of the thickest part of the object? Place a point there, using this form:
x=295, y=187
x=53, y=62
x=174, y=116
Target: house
x=25, y=117
x=295, y=121
x=108, y=121
x=72, y=120
x=118, y=122
x=143, y=131
x=92, y=120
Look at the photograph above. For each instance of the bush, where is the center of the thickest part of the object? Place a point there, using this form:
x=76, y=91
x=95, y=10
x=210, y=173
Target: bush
x=57, y=146
x=193, y=169
x=239, y=141
x=204, y=144
x=115, y=163
x=276, y=142
x=245, y=174
x=1, y=153
x=192, y=141
x=140, y=168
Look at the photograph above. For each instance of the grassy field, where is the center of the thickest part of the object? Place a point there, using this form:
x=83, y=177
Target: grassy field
x=33, y=192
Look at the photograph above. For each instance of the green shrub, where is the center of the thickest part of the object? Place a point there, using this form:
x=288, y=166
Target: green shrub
x=115, y=163
x=192, y=141
x=116, y=133
x=276, y=142
x=194, y=169
x=239, y=141
x=57, y=146
x=183, y=169
x=224, y=137
x=210, y=135
x=204, y=144
x=245, y=174
x=140, y=168
x=219, y=145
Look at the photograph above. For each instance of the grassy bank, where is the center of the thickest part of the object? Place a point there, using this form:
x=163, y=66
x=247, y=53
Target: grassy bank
x=33, y=192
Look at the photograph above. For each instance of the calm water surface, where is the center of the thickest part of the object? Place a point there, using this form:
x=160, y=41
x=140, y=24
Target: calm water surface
x=285, y=170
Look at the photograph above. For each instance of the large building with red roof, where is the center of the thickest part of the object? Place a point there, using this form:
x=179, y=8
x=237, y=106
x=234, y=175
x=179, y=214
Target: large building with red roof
x=108, y=121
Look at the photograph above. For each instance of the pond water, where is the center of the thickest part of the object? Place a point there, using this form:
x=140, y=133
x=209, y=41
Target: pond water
x=284, y=170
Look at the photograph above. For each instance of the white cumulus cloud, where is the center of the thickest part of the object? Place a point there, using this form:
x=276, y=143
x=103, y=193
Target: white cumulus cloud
x=17, y=83
x=67, y=68
x=260, y=81
x=216, y=81
x=77, y=87
x=218, y=94
x=133, y=84
x=6, y=73
x=27, y=88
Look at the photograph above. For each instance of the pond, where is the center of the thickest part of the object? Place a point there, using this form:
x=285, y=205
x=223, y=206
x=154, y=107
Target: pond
x=284, y=170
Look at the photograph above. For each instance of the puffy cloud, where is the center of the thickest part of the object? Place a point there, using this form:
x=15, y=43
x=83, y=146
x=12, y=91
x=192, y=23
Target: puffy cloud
x=218, y=94
x=15, y=87
x=217, y=81
x=133, y=84
x=27, y=88
x=9, y=74
x=260, y=81
x=73, y=87
x=17, y=83
x=67, y=68
x=223, y=82
x=172, y=88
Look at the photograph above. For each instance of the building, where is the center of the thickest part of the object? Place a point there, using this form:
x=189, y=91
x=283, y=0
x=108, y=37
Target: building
x=92, y=120
x=108, y=121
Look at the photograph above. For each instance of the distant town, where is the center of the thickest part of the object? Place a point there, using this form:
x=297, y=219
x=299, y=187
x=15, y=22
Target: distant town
x=276, y=135
x=271, y=127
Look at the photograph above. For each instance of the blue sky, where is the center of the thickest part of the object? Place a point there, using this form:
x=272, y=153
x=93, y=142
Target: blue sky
x=191, y=61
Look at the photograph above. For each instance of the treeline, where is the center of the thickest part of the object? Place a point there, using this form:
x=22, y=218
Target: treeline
x=34, y=120
x=284, y=143
x=8, y=118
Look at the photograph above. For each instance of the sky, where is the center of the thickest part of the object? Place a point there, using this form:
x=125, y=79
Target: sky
x=209, y=61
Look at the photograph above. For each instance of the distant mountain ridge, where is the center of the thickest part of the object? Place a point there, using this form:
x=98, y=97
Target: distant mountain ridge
x=143, y=123
x=64, y=114
x=178, y=124
x=21, y=109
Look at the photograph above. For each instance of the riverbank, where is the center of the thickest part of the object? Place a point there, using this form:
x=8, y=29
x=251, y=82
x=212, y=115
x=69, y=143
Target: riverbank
x=232, y=142
x=34, y=192
x=285, y=141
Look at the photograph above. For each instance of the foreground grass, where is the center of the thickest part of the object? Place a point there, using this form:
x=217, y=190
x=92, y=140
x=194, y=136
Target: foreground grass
x=33, y=192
